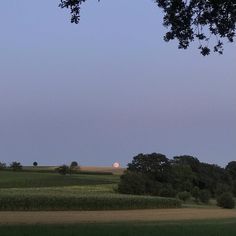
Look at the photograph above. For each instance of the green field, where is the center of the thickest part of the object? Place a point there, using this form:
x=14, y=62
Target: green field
x=194, y=228
x=10, y=179
x=51, y=191
x=37, y=190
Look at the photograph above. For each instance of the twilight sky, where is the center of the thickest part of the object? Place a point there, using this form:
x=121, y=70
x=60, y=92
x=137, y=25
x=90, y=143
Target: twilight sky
x=108, y=88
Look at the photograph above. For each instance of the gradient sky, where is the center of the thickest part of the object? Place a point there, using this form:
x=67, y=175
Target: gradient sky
x=108, y=88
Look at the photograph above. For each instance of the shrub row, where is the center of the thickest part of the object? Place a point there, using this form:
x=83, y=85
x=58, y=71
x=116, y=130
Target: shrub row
x=83, y=202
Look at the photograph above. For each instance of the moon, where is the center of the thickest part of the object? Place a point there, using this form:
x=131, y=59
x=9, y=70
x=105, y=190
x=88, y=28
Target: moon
x=116, y=165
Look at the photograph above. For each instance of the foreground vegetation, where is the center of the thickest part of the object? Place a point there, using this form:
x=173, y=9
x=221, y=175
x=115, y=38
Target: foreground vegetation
x=75, y=199
x=151, y=181
x=183, y=177
x=193, y=228
x=71, y=192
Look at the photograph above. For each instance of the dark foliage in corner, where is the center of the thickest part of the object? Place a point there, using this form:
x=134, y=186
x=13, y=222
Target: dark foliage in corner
x=188, y=20
x=225, y=200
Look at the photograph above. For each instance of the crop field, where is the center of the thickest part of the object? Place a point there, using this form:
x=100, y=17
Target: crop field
x=10, y=179
x=51, y=191
x=38, y=201
x=194, y=228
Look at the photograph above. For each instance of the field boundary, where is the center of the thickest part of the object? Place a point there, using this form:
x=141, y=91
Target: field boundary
x=75, y=217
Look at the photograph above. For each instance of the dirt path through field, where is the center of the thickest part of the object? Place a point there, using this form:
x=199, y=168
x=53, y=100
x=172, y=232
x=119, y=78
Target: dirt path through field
x=73, y=217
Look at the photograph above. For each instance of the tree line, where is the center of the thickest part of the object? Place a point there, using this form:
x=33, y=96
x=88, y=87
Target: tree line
x=63, y=169
x=183, y=176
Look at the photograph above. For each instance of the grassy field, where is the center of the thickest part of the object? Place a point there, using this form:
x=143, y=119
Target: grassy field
x=82, y=169
x=46, y=190
x=10, y=179
x=193, y=228
x=51, y=191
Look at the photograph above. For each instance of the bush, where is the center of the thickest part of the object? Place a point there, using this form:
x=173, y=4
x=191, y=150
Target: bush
x=234, y=188
x=204, y=196
x=195, y=193
x=2, y=166
x=132, y=183
x=168, y=191
x=63, y=170
x=225, y=200
x=16, y=166
x=184, y=196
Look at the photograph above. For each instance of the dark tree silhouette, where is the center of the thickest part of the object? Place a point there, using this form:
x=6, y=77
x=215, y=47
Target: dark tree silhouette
x=166, y=177
x=3, y=166
x=74, y=164
x=35, y=163
x=188, y=20
x=63, y=170
x=231, y=168
x=16, y=166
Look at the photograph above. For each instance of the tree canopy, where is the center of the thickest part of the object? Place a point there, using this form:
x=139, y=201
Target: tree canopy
x=155, y=174
x=188, y=20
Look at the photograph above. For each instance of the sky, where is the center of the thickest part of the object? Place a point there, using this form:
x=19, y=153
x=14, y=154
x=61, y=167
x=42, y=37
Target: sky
x=109, y=88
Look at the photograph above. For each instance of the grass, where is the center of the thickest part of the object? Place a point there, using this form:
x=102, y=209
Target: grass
x=191, y=203
x=193, y=228
x=10, y=179
x=84, y=170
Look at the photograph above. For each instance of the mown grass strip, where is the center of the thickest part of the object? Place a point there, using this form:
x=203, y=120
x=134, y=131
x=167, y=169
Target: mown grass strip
x=209, y=228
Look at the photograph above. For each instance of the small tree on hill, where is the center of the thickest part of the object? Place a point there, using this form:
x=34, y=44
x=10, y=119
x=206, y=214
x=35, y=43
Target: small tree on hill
x=16, y=166
x=74, y=167
x=3, y=166
x=35, y=163
x=74, y=164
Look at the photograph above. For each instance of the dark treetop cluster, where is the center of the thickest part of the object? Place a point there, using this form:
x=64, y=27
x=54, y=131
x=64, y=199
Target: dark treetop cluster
x=155, y=174
x=188, y=20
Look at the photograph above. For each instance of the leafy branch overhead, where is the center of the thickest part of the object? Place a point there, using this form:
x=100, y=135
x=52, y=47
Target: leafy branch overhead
x=188, y=20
